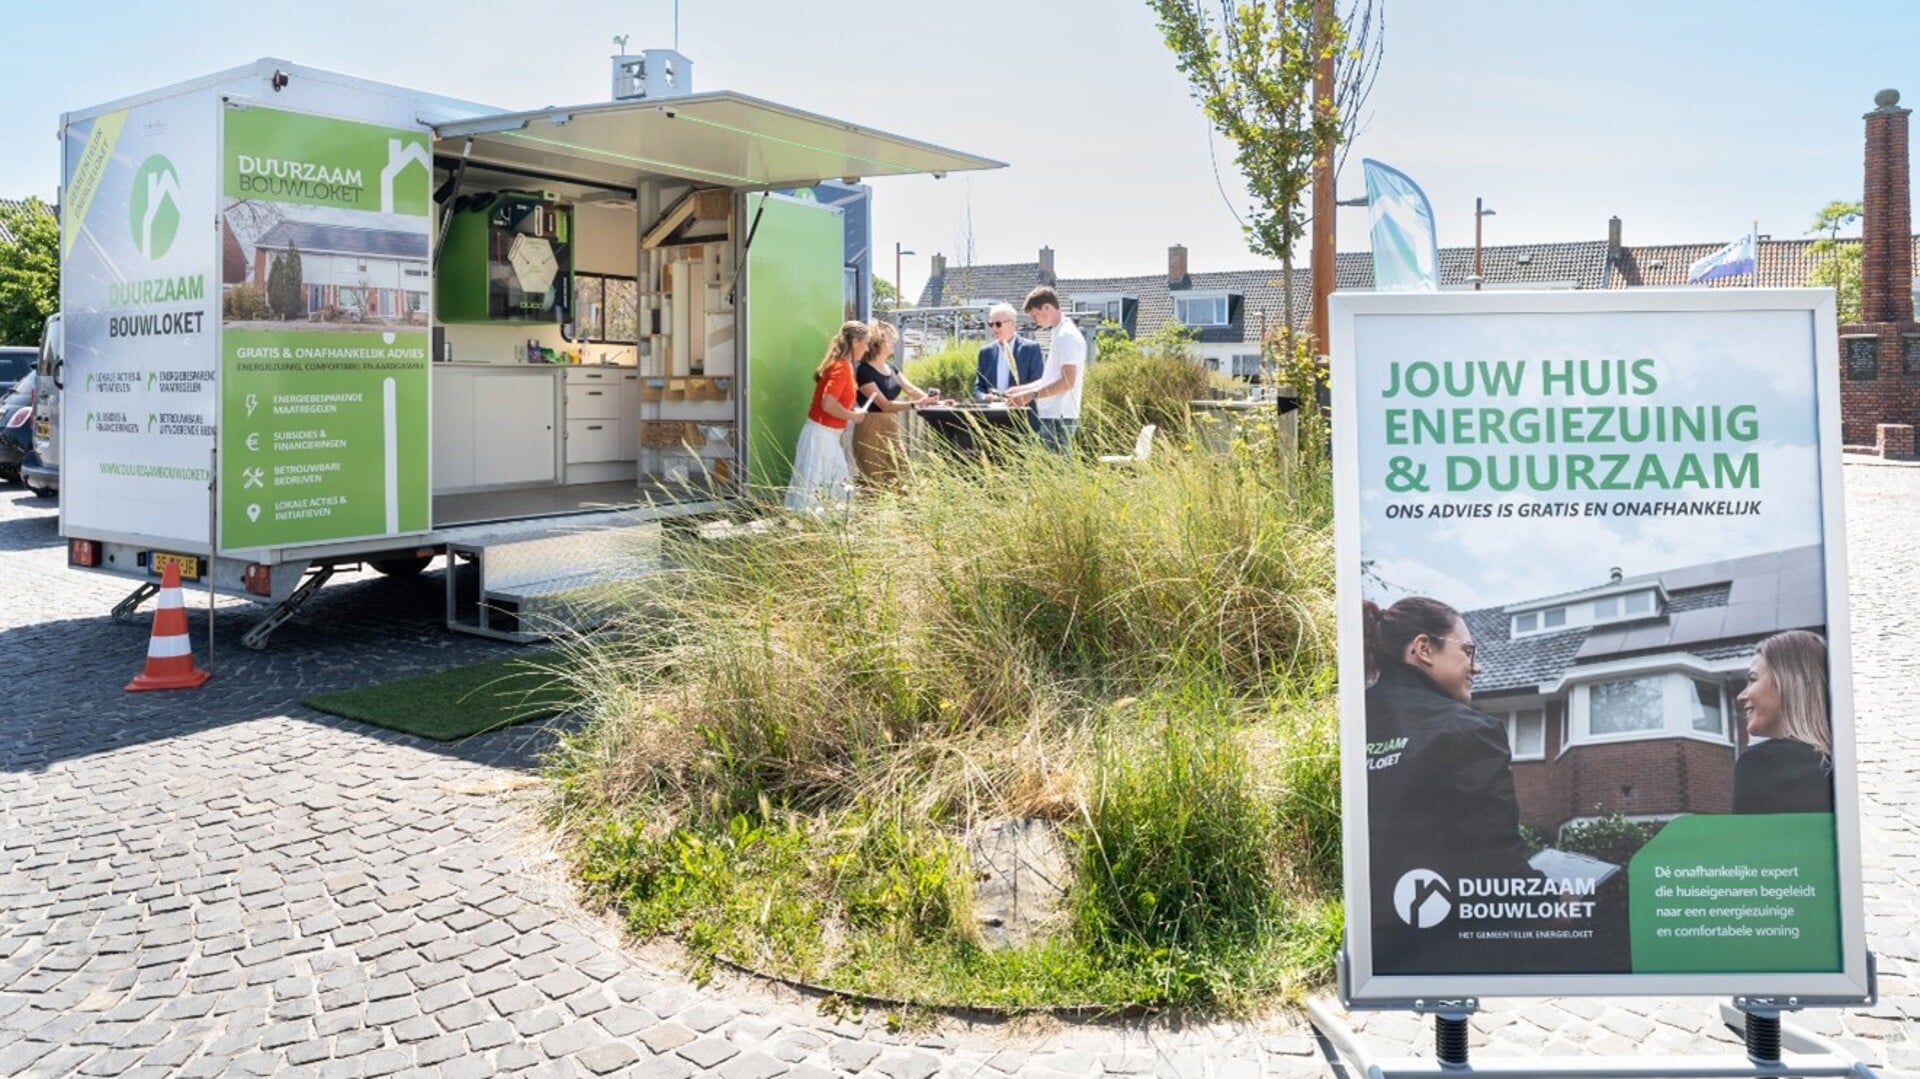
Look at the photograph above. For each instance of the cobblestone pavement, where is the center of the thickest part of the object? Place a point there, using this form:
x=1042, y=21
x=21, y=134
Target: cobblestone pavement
x=225, y=882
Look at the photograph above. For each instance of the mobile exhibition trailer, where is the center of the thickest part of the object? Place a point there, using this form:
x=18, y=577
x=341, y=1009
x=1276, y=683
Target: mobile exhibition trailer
x=313, y=321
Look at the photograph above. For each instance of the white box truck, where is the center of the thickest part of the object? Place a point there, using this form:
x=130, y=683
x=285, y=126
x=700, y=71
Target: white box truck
x=310, y=321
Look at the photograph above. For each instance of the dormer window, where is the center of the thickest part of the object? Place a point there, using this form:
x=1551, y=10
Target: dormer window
x=1616, y=607
x=1214, y=309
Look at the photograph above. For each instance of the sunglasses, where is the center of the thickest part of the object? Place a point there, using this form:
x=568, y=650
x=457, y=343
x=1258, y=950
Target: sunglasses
x=1001, y=322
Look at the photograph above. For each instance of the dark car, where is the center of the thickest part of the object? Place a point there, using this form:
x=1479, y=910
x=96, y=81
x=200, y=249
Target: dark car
x=16, y=427
x=15, y=361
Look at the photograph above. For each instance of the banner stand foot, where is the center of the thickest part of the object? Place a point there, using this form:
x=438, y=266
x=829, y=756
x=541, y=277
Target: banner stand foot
x=1773, y=1048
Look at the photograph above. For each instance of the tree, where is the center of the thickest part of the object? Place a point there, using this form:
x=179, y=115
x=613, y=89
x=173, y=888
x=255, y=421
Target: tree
x=285, y=294
x=1836, y=263
x=1251, y=67
x=29, y=270
x=885, y=296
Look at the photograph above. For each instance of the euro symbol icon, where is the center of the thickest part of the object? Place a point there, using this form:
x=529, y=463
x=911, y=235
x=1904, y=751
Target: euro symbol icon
x=253, y=402
x=254, y=477
x=253, y=441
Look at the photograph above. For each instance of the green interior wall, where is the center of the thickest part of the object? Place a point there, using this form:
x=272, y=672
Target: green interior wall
x=793, y=310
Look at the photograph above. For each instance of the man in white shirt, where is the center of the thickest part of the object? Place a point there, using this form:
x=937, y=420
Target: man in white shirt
x=1056, y=393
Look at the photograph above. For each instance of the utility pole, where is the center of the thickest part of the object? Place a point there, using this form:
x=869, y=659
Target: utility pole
x=899, y=286
x=1321, y=255
x=1479, y=214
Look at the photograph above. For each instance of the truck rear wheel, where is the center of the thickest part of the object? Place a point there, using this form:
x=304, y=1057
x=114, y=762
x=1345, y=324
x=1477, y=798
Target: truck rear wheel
x=401, y=567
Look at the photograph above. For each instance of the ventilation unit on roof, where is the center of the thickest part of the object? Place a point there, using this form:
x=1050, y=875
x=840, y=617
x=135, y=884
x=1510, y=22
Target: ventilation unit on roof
x=654, y=74
x=1523, y=258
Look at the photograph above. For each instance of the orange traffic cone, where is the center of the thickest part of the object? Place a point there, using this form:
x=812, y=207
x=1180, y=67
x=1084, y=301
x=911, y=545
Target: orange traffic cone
x=170, y=653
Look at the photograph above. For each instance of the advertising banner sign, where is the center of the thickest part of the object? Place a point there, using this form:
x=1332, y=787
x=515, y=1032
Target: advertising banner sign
x=138, y=295
x=1595, y=683
x=324, y=343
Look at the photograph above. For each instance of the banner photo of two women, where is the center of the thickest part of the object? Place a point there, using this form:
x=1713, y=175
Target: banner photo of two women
x=1595, y=686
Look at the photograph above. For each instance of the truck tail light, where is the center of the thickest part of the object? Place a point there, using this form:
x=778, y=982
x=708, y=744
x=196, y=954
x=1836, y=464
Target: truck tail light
x=258, y=579
x=83, y=552
x=20, y=416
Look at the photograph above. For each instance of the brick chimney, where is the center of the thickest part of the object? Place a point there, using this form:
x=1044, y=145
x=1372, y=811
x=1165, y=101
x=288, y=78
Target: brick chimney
x=1886, y=225
x=1879, y=401
x=1046, y=267
x=1614, y=248
x=937, y=281
x=1177, y=276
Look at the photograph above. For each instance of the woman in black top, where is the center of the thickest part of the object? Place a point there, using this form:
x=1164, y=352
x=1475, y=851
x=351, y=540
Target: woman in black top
x=880, y=389
x=1786, y=702
x=1440, y=798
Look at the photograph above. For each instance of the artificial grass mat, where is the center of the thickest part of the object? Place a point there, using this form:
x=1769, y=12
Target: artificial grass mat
x=464, y=701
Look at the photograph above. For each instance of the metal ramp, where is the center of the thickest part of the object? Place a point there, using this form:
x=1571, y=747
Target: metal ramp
x=526, y=581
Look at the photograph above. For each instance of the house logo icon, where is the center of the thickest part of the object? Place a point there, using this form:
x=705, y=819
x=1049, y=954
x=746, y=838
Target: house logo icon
x=154, y=208
x=1422, y=898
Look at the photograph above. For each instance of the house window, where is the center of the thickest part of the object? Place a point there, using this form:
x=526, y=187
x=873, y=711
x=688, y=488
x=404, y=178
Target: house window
x=1527, y=734
x=1246, y=366
x=1526, y=623
x=1706, y=708
x=1628, y=706
x=1910, y=355
x=1213, y=363
x=1863, y=358
x=1649, y=706
x=1630, y=605
x=1553, y=618
x=1202, y=310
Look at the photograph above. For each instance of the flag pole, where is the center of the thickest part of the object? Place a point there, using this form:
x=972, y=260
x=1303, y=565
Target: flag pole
x=1753, y=279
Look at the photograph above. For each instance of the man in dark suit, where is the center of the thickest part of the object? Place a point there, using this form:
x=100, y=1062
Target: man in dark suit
x=1007, y=360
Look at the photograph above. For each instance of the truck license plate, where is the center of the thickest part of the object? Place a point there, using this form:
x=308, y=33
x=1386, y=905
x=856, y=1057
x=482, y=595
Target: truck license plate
x=189, y=565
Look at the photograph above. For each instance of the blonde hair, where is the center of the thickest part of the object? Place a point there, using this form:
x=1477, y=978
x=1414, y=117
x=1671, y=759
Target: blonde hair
x=840, y=349
x=881, y=336
x=1797, y=660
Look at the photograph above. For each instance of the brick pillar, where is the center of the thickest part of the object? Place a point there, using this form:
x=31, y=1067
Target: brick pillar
x=1886, y=247
x=1177, y=267
x=1882, y=392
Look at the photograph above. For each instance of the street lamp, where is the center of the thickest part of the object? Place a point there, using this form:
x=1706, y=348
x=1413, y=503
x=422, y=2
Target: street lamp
x=899, y=286
x=1479, y=211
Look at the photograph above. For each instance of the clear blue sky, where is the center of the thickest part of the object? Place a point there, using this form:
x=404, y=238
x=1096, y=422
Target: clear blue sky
x=1687, y=118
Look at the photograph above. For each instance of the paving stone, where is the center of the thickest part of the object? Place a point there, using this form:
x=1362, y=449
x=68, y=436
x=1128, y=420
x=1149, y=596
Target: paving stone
x=572, y=1038
x=707, y=1053
x=852, y=1056
x=609, y=1057
x=753, y=1066
x=667, y=1037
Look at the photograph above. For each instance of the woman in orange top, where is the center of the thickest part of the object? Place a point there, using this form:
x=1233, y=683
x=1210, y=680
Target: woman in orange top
x=822, y=476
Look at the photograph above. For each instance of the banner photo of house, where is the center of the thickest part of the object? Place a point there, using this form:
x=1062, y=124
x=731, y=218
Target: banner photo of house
x=341, y=273
x=1595, y=693
x=325, y=387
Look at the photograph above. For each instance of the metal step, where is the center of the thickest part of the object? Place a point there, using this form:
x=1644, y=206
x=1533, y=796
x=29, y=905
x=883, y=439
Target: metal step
x=531, y=580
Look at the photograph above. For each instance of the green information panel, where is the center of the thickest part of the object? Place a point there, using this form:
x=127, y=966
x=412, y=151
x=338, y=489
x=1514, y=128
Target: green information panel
x=324, y=390
x=795, y=308
x=1752, y=892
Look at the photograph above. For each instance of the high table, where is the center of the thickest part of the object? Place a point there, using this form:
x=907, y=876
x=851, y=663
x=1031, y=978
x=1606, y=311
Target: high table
x=967, y=427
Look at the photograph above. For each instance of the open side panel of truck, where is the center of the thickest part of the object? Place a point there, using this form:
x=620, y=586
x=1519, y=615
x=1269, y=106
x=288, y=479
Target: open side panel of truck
x=794, y=284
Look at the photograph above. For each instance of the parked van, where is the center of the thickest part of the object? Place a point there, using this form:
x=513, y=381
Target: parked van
x=41, y=470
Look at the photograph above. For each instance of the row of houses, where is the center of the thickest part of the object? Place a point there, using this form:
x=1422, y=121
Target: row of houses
x=1232, y=311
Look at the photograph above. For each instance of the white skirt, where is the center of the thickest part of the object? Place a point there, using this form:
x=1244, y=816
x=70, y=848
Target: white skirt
x=822, y=476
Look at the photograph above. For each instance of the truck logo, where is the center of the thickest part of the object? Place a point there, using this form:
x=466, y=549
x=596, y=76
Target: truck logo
x=154, y=208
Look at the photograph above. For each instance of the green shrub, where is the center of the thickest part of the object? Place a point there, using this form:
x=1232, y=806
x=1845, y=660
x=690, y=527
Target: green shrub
x=246, y=302
x=1132, y=383
x=950, y=370
x=1612, y=838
